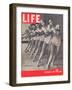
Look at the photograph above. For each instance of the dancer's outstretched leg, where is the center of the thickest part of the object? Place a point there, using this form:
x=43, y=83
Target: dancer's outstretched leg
x=36, y=50
x=41, y=54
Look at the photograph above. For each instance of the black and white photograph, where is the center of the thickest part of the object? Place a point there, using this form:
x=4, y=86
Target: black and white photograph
x=42, y=43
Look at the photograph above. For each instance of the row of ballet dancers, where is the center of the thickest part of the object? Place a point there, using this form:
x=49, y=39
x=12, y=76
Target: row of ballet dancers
x=47, y=35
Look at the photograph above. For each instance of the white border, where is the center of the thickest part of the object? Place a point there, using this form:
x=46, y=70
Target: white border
x=18, y=47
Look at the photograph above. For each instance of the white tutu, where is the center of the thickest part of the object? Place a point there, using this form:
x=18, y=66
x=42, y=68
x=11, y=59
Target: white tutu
x=47, y=39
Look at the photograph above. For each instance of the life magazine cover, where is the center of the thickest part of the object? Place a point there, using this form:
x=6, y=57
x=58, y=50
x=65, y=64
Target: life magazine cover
x=41, y=44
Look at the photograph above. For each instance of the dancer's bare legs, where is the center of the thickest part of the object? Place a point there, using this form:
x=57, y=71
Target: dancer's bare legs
x=41, y=54
x=50, y=57
x=36, y=50
x=54, y=56
x=43, y=47
x=28, y=46
x=31, y=45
